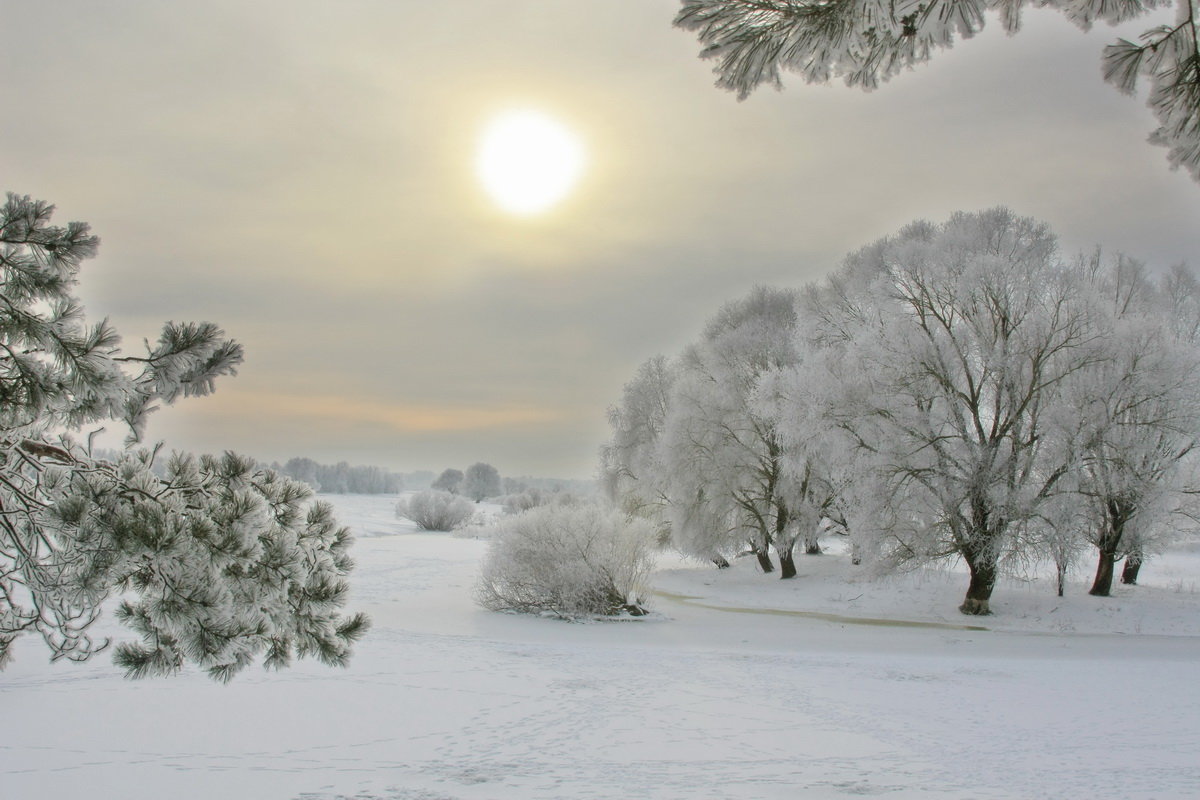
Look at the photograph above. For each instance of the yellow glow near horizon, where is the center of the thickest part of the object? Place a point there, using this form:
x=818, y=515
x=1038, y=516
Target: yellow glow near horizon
x=528, y=161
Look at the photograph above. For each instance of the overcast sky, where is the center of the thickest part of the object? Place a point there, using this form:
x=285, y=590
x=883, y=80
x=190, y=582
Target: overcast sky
x=303, y=174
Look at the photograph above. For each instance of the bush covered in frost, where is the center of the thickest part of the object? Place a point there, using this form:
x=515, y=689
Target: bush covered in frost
x=434, y=510
x=572, y=561
x=533, y=498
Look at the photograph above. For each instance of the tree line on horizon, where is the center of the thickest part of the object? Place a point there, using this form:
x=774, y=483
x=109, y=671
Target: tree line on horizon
x=480, y=481
x=342, y=478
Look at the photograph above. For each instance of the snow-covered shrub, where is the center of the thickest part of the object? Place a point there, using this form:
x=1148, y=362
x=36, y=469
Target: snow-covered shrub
x=522, y=501
x=434, y=510
x=566, y=499
x=533, y=498
x=571, y=561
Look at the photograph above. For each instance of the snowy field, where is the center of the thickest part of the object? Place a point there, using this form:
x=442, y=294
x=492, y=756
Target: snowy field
x=741, y=686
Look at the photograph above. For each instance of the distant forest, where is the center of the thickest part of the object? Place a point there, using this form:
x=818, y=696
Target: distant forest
x=341, y=478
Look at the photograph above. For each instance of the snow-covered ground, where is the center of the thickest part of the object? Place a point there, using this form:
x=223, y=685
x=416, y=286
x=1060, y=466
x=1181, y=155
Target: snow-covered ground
x=725, y=693
x=1166, y=602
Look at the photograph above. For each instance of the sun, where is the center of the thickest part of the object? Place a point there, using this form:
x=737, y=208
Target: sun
x=528, y=162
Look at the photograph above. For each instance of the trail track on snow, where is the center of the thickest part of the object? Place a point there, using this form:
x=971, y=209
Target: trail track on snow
x=878, y=622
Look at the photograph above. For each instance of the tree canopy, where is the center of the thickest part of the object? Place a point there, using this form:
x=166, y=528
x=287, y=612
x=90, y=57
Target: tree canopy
x=449, y=481
x=481, y=481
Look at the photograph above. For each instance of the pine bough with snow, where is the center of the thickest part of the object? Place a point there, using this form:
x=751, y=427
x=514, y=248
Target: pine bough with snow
x=569, y=561
x=955, y=391
x=866, y=42
x=216, y=563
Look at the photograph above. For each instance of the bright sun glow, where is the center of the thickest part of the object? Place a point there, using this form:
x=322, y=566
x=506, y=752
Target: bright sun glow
x=528, y=162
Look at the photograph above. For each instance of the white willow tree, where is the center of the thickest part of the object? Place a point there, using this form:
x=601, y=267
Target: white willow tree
x=216, y=563
x=481, y=481
x=819, y=463
x=1138, y=416
x=948, y=371
x=722, y=454
x=449, y=481
x=632, y=473
x=866, y=42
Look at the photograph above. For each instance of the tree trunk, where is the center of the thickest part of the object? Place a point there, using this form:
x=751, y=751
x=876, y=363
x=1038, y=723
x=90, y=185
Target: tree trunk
x=720, y=561
x=1109, y=543
x=979, y=551
x=979, y=591
x=812, y=547
x=787, y=564
x=1102, y=585
x=764, y=560
x=1133, y=565
x=784, y=544
x=1061, y=569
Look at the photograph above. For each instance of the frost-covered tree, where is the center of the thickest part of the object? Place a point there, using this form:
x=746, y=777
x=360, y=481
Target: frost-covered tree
x=722, y=454
x=216, y=562
x=813, y=480
x=820, y=461
x=449, y=481
x=481, y=481
x=570, y=561
x=946, y=383
x=866, y=42
x=1137, y=416
x=631, y=468
x=304, y=470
